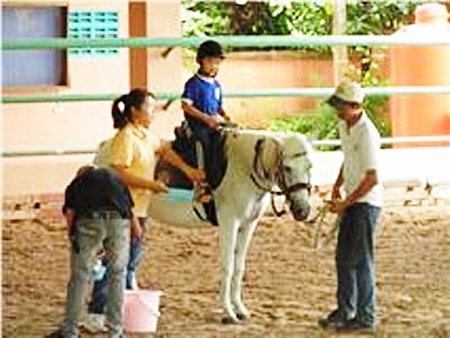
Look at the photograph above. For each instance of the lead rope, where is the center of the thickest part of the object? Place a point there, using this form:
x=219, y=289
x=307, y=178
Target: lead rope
x=274, y=207
x=320, y=218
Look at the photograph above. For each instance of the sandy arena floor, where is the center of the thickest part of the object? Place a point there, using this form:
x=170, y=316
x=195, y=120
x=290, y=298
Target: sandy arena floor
x=289, y=284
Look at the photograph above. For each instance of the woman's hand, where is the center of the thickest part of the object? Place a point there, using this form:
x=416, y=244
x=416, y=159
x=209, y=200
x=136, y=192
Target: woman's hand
x=158, y=187
x=195, y=175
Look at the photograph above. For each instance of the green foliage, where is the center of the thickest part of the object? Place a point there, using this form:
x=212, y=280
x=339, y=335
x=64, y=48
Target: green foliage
x=379, y=17
x=310, y=18
x=323, y=124
x=204, y=18
x=320, y=126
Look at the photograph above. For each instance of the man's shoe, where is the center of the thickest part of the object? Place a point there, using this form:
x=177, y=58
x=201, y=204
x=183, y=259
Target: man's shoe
x=355, y=325
x=94, y=323
x=334, y=320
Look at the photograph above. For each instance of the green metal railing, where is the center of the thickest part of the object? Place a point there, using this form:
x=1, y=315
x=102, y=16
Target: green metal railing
x=384, y=141
x=274, y=92
x=235, y=41
x=48, y=152
x=231, y=41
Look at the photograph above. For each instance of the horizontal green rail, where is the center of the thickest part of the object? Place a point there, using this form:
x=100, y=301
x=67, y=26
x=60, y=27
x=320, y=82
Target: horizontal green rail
x=384, y=141
x=48, y=152
x=230, y=41
x=274, y=92
x=74, y=98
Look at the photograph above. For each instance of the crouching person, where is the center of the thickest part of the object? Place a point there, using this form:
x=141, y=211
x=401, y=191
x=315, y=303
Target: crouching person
x=99, y=212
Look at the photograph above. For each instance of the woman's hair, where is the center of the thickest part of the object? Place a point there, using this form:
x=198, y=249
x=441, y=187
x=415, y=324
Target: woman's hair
x=121, y=108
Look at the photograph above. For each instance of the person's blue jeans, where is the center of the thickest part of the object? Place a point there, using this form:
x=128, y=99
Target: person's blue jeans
x=355, y=263
x=111, y=232
x=100, y=290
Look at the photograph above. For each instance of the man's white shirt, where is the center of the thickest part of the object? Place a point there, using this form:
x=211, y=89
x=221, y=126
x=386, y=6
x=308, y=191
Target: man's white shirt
x=361, y=147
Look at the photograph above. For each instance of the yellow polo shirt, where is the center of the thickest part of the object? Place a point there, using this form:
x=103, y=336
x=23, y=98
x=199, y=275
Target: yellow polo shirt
x=134, y=148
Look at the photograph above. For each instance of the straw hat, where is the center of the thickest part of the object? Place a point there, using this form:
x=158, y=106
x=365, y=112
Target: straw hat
x=348, y=91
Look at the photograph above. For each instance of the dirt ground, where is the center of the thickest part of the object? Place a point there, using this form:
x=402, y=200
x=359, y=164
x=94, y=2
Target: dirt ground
x=289, y=285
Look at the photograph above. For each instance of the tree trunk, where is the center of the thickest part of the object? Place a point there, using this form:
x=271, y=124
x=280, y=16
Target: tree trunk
x=340, y=55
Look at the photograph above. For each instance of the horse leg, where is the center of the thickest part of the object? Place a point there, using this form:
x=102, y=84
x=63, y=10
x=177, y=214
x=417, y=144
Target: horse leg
x=244, y=236
x=227, y=242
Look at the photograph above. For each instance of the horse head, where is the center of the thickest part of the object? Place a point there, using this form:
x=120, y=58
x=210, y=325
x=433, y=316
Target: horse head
x=287, y=162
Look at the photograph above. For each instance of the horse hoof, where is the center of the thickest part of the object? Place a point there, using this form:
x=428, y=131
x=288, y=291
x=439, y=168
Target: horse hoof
x=241, y=316
x=229, y=320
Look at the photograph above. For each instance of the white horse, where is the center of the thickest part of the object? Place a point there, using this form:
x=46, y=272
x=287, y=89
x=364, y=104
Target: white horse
x=258, y=162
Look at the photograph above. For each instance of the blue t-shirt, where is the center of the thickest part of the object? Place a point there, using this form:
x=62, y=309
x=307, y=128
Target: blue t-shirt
x=204, y=95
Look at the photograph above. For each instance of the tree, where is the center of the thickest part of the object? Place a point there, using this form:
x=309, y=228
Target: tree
x=340, y=55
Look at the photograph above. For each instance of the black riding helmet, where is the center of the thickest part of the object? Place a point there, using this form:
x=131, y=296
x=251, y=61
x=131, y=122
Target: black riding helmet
x=209, y=49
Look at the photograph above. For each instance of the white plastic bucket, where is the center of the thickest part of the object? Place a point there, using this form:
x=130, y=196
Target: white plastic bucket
x=141, y=311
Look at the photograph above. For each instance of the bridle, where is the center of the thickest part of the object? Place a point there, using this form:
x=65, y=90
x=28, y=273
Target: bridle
x=278, y=178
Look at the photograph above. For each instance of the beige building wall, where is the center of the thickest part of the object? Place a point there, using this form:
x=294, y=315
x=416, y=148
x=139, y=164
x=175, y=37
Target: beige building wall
x=164, y=72
x=82, y=125
x=70, y=125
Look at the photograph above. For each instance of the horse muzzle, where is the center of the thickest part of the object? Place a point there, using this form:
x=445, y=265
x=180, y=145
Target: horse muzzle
x=300, y=209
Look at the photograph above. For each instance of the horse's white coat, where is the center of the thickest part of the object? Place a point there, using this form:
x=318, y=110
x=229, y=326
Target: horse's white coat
x=240, y=202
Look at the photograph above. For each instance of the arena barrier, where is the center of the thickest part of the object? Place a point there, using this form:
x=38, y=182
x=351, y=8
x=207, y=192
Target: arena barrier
x=425, y=179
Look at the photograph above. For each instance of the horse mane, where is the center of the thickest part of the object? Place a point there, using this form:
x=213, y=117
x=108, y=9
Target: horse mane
x=240, y=145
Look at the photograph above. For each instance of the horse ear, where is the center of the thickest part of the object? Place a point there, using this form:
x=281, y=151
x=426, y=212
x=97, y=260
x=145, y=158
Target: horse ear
x=271, y=157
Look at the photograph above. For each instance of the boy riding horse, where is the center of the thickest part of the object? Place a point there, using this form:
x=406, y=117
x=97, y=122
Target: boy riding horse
x=204, y=113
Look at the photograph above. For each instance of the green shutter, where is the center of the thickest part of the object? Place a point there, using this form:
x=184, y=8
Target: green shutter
x=93, y=24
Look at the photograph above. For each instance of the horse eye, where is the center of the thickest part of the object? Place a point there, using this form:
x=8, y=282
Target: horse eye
x=287, y=169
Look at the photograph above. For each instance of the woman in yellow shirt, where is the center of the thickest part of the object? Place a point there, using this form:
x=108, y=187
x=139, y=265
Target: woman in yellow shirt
x=133, y=153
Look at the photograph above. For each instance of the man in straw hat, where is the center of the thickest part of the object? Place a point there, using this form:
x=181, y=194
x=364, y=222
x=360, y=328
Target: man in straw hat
x=359, y=211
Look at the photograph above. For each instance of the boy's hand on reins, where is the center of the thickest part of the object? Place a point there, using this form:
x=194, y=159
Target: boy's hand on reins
x=212, y=123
